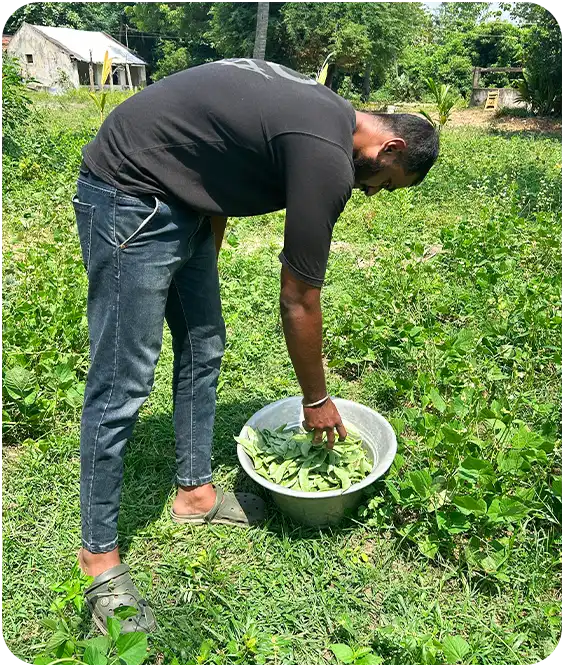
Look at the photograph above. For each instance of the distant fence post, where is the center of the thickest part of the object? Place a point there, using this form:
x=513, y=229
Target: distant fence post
x=91, y=72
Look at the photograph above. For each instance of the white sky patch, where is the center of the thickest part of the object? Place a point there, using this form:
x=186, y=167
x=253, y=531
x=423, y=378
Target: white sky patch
x=6, y=5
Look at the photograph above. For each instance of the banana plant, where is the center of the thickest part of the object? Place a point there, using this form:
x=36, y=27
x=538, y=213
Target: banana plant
x=323, y=72
x=100, y=100
x=445, y=99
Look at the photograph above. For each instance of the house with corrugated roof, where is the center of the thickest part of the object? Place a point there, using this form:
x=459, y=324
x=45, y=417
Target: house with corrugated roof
x=61, y=58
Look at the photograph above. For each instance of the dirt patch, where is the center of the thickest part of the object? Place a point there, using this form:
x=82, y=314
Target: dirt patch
x=478, y=117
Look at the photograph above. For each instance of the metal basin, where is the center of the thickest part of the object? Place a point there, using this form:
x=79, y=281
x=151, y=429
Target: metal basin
x=322, y=508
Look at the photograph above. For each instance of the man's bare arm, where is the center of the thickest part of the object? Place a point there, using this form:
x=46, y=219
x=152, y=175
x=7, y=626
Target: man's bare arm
x=300, y=306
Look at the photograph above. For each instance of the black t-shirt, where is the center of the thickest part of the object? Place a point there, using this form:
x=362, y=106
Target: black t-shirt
x=238, y=137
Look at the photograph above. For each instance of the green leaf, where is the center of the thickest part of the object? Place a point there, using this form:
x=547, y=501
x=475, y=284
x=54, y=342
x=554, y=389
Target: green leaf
x=473, y=469
x=455, y=648
x=18, y=382
x=114, y=628
x=343, y=477
x=453, y=522
x=507, y=509
x=428, y=546
x=42, y=660
x=58, y=639
x=556, y=486
x=124, y=612
x=132, y=648
x=437, y=400
x=96, y=651
x=304, y=478
x=369, y=659
x=451, y=435
x=470, y=505
x=343, y=653
x=421, y=482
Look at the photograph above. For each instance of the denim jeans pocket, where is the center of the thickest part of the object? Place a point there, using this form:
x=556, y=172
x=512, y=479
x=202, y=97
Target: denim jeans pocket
x=132, y=216
x=84, y=216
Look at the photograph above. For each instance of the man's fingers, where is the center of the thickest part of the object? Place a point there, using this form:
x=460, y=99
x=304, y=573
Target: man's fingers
x=318, y=435
x=330, y=438
x=342, y=433
x=306, y=427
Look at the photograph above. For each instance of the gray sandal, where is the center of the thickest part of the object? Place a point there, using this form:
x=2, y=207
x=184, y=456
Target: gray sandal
x=231, y=509
x=112, y=589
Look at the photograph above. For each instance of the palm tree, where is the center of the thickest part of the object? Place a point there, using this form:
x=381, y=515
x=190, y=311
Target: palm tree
x=261, y=30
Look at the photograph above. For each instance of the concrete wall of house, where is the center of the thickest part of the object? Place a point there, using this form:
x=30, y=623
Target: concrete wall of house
x=51, y=65
x=508, y=97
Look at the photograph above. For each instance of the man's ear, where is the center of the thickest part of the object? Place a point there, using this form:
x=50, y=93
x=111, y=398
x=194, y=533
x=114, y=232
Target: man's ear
x=394, y=145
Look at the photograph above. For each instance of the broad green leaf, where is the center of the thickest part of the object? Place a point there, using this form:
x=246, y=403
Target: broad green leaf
x=556, y=486
x=507, y=509
x=473, y=469
x=132, y=648
x=451, y=435
x=470, y=505
x=343, y=653
x=114, y=628
x=124, y=612
x=18, y=382
x=428, y=546
x=453, y=522
x=455, y=648
x=369, y=659
x=96, y=651
x=437, y=400
x=421, y=482
x=58, y=639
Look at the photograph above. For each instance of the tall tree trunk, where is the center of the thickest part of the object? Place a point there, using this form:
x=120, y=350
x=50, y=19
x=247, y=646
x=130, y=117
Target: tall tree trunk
x=367, y=83
x=261, y=30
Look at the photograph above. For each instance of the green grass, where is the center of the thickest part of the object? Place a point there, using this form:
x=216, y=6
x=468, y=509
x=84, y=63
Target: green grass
x=458, y=346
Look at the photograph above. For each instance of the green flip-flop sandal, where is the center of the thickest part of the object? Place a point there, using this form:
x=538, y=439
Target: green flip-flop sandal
x=112, y=589
x=231, y=509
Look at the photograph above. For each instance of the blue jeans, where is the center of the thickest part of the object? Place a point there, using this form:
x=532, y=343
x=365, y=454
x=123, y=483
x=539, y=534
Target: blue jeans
x=146, y=261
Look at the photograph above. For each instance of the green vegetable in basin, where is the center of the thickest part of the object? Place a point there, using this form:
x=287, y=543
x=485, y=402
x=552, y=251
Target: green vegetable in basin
x=291, y=459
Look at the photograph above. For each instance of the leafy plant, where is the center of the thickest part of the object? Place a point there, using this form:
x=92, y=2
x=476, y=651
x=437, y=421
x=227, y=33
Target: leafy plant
x=100, y=100
x=115, y=648
x=445, y=100
x=539, y=91
x=358, y=656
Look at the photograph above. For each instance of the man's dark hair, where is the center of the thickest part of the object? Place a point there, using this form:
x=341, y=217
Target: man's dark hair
x=421, y=137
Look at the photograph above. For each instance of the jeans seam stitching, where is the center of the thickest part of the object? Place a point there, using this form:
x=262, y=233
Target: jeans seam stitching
x=111, y=390
x=192, y=378
x=110, y=190
x=89, y=239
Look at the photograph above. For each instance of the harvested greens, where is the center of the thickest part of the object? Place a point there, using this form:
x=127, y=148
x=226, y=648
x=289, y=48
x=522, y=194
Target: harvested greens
x=290, y=458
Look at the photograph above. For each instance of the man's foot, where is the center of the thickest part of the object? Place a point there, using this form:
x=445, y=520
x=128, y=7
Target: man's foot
x=194, y=499
x=233, y=509
x=95, y=564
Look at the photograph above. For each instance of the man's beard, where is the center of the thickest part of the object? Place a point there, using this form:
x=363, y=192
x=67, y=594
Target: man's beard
x=365, y=167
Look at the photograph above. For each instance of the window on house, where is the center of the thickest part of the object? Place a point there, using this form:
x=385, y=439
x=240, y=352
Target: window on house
x=29, y=57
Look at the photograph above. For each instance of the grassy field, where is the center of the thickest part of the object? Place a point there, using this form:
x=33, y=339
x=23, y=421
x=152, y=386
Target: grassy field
x=442, y=311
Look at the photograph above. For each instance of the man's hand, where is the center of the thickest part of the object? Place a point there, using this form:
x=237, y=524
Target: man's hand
x=324, y=419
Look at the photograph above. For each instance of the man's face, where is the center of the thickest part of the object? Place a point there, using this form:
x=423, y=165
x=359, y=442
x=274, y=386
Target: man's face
x=383, y=171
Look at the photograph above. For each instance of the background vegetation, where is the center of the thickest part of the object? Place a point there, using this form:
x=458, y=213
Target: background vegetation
x=382, y=51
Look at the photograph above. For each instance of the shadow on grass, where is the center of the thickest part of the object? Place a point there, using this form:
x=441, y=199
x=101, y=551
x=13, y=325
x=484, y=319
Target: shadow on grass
x=150, y=464
x=150, y=470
